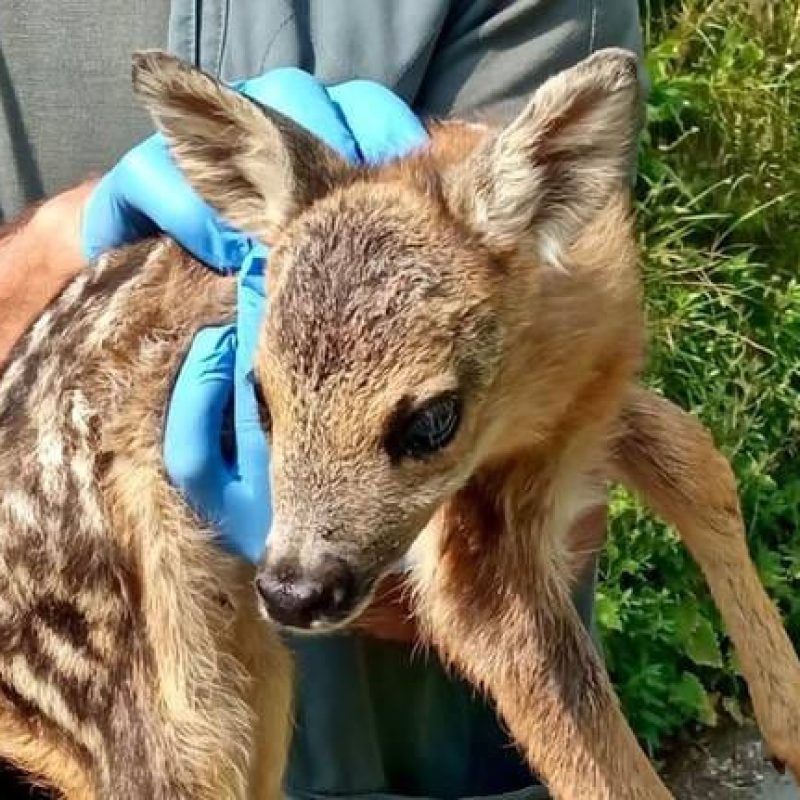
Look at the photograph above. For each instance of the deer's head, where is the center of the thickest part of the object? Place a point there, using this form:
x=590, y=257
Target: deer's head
x=424, y=317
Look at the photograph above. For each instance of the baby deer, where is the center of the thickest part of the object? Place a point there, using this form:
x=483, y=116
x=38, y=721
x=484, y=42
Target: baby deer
x=448, y=376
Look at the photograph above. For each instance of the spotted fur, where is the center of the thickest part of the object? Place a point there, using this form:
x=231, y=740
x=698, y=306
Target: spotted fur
x=117, y=610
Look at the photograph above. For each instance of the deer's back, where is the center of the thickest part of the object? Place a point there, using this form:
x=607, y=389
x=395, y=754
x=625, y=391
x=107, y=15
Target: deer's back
x=87, y=516
x=104, y=353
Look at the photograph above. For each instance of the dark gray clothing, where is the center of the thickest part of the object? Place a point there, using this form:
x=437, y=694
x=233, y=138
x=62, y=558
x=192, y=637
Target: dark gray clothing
x=441, y=56
x=66, y=105
x=371, y=720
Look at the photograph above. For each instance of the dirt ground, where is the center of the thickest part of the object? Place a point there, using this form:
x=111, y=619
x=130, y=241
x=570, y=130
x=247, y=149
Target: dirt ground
x=727, y=765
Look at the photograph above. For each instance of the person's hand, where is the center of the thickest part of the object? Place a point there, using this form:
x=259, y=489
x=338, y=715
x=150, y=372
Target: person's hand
x=229, y=489
x=146, y=192
x=40, y=252
x=390, y=615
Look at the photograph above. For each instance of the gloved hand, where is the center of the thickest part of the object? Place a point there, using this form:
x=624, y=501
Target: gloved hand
x=364, y=122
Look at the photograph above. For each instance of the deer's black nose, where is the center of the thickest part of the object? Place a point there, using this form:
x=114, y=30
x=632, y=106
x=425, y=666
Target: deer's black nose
x=297, y=599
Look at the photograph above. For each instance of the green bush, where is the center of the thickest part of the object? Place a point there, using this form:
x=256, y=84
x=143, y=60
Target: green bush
x=718, y=199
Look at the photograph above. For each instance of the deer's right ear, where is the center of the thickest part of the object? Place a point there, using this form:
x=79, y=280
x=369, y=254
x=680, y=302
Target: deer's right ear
x=255, y=166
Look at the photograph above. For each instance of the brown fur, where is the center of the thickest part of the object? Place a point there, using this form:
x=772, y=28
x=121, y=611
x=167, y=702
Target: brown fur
x=497, y=265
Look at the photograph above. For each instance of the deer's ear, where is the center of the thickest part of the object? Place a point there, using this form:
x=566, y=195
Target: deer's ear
x=556, y=165
x=255, y=166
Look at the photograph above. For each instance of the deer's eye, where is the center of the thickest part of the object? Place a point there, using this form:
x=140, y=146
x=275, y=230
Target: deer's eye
x=261, y=403
x=428, y=429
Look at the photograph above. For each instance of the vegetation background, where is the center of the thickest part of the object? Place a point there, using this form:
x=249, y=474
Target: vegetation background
x=719, y=208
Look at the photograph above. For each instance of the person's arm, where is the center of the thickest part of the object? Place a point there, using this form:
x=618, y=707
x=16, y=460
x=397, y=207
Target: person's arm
x=39, y=252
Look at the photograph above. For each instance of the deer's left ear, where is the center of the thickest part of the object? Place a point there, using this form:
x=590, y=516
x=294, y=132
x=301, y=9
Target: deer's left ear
x=255, y=166
x=556, y=165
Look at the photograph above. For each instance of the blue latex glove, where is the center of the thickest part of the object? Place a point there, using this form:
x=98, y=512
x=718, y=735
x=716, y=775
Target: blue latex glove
x=365, y=123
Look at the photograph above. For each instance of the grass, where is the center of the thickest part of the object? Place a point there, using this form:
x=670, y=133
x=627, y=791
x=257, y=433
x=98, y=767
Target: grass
x=719, y=208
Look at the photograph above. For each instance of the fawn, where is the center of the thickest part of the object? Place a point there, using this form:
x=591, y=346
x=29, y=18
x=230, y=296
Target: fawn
x=447, y=372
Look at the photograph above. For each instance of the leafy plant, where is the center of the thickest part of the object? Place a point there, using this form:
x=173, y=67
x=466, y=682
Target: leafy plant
x=718, y=197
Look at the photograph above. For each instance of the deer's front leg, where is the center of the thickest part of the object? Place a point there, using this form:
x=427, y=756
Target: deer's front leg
x=269, y=694
x=496, y=607
x=666, y=456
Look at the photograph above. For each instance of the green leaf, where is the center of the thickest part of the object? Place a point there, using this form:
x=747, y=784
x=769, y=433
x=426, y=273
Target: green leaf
x=702, y=645
x=607, y=611
x=687, y=618
x=690, y=694
x=734, y=709
x=734, y=665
